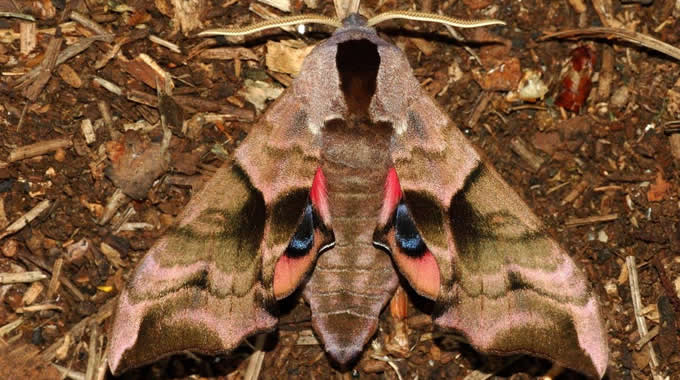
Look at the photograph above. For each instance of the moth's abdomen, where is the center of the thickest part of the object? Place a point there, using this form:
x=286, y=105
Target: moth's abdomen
x=353, y=281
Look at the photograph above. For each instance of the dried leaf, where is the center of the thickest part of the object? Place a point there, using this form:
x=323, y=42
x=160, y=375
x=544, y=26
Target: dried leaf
x=659, y=189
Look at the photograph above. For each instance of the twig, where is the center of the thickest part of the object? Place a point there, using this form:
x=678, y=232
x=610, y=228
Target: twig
x=38, y=149
x=667, y=286
x=28, y=217
x=74, y=375
x=164, y=43
x=86, y=22
x=623, y=34
x=483, y=102
x=34, y=308
x=8, y=328
x=637, y=307
x=575, y=192
x=118, y=199
x=40, y=263
x=484, y=374
x=64, y=56
x=647, y=338
x=54, y=281
x=256, y=359
x=454, y=33
x=17, y=15
x=92, y=355
x=573, y=222
x=103, y=367
x=390, y=362
x=21, y=277
x=77, y=330
x=110, y=86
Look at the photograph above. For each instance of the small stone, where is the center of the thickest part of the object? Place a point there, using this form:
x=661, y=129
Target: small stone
x=602, y=236
x=60, y=155
x=36, y=337
x=620, y=97
x=10, y=247
x=611, y=288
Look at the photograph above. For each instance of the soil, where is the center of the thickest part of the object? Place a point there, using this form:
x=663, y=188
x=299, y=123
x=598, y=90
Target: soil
x=600, y=166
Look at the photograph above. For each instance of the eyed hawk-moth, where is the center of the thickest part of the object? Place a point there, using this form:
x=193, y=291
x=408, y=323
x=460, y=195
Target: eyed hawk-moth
x=353, y=178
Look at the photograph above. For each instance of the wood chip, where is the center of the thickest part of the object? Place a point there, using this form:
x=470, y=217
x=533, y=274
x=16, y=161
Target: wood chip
x=70, y=76
x=38, y=149
x=54, y=281
x=148, y=71
x=267, y=14
x=32, y=293
x=283, y=5
x=20, y=223
x=112, y=255
x=286, y=57
x=8, y=328
x=35, y=87
x=574, y=222
x=607, y=75
x=29, y=40
x=62, y=351
x=229, y=53
x=188, y=15
x=21, y=277
x=425, y=46
x=521, y=148
x=306, y=338
x=674, y=140
x=110, y=86
x=578, y=5
x=88, y=131
x=3, y=215
x=575, y=192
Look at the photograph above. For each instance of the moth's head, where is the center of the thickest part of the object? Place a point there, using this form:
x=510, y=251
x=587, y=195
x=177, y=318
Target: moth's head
x=354, y=20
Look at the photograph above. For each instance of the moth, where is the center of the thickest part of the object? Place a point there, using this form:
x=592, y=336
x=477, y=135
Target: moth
x=353, y=179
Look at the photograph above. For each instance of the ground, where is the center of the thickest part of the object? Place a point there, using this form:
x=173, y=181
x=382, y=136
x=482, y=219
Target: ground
x=600, y=166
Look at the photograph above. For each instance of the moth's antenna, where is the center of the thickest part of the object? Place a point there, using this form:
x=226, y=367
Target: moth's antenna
x=274, y=23
x=431, y=17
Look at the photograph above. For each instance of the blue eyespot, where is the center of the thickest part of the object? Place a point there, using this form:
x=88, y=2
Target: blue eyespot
x=303, y=239
x=406, y=233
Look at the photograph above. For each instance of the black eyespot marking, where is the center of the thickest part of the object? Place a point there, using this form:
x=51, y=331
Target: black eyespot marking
x=515, y=282
x=303, y=238
x=406, y=234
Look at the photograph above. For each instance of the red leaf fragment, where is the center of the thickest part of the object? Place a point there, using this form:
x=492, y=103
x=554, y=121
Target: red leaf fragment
x=659, y=189
x=577, y=83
